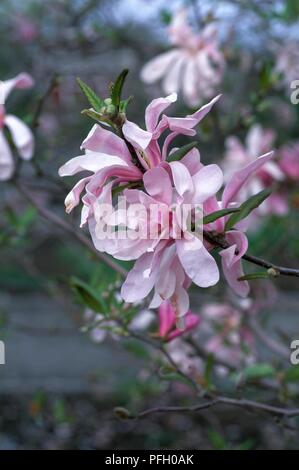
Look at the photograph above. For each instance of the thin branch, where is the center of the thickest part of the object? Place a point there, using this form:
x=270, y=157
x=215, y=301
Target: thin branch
x=277, y=270
x=41, y=102
x=269, y=342
x=56, y=220
x=241, y=403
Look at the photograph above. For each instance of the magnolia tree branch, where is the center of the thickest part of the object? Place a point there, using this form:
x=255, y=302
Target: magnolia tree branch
x=275, y=270
x=241, y=403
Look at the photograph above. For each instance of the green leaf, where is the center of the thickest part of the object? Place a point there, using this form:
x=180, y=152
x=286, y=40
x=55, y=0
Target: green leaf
x=124, y=104
x=292, y=374
x=217, y=441
x=181, y=152
x=258, y=371
x=171, y=376
x=89, y=296
x=95, y=115
x=93, y=99
x=247, y=207
x=218, y=214
x=117, y=88
x=208, y=370
x=252, y=276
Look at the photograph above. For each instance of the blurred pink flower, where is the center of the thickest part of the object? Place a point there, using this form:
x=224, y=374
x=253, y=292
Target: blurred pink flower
x=20, y=133
x=167, y=322
x=289, y=161
x=25, y=29
x=195, y=65
x=258, y=142
x=229, y=339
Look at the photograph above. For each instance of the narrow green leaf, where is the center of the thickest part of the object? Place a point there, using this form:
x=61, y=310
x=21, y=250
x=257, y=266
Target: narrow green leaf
x=93, y=99
x=89, y=296
x=218, y=214
x=247, y=207
x=208, y=370
x=95, y=115
x=124, y=104
x=181, y=152
x=252, y=276
x=258, y=371
x=292, y=374
x=117, y=87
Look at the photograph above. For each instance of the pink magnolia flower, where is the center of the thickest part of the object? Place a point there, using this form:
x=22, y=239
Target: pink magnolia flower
x=176, y=256
x=25, y=29
x=20, y=132
x=195, y=64
x=231, y=257
x=289, y=161
x=167, y=322
x=228, y=339
x=258, y=142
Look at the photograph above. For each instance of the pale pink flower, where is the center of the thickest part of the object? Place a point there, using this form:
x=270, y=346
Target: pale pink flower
x=167, y=322
x=20, y=133
x=229, y=339
x=258, y=142
x=289, y=161
x=25, y=29
x=195, y=64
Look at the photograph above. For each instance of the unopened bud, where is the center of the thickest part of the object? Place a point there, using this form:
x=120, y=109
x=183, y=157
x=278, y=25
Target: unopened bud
x=122, y=413
x=273, y=272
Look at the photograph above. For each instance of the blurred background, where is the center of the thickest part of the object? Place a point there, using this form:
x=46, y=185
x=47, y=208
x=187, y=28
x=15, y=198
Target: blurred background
x=59, y=386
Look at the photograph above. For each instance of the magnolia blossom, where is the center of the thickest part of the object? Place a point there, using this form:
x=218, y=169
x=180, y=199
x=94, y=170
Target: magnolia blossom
x=289, y=161
x=195, y=64
x=20, y=133
x=167, y=322
x=169, y=254
x=258, y=142
x=228, y=338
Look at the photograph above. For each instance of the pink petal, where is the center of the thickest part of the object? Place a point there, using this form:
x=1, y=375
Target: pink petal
x=21, y=135
x=101, y=140
x=173, y=76
x=207, y=183
x=240, y=177
x=22, y=81
x=73, y=197
x=6, y=159
x=232, y=263
x=140, y=280
x=181, y=178
x=157, y=67
x=91, y=161
x=166, y=318
x=154, y=110
x=157, y=183
x=136, y=136
x=197, y=262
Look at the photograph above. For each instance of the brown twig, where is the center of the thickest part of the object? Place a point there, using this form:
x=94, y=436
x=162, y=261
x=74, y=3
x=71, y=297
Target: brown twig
x=241, y=403
x=277, y=270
